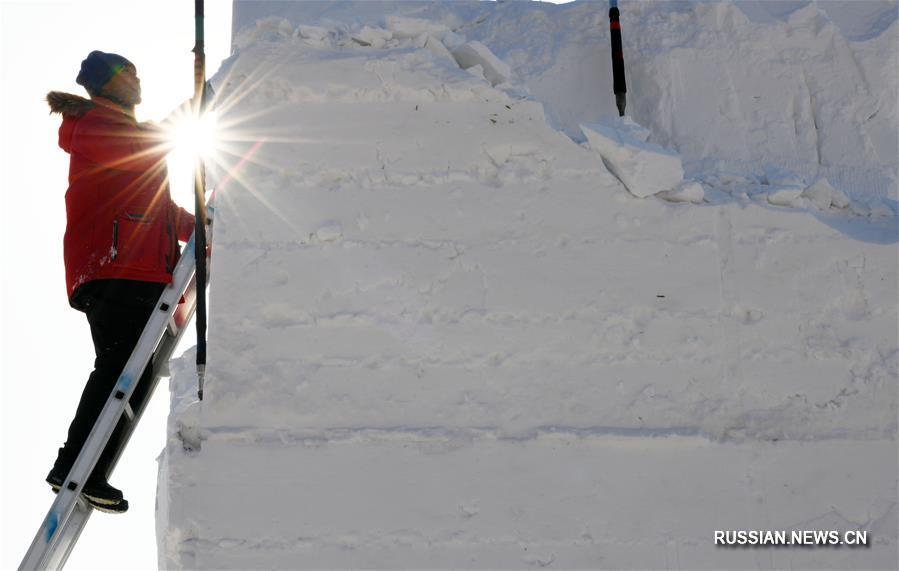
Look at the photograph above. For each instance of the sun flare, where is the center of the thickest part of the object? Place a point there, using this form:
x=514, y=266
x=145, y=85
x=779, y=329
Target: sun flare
x=191, y=136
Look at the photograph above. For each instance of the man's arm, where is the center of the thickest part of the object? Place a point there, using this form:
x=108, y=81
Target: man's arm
x=186, y=109
x=184, y=222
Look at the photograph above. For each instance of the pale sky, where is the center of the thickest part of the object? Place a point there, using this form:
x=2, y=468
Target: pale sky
x=45, y=348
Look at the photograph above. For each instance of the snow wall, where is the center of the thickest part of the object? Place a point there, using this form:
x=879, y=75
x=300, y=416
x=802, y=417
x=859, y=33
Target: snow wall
x=443, y=335
x=753, y=86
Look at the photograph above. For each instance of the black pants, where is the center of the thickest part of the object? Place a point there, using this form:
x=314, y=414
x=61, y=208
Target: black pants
x=117, y=311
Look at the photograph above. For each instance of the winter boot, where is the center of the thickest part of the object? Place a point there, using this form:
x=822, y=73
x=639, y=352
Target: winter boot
x=118, y=508
x=96, y=491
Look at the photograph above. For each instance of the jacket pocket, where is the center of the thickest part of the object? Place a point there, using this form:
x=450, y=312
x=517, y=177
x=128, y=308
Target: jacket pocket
x=134, y=241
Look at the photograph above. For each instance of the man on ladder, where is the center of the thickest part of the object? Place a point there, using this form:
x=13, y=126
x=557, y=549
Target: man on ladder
x=120, y=245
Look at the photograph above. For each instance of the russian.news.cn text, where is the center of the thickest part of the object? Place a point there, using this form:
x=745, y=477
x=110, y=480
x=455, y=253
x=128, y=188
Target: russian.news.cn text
x=799, y=538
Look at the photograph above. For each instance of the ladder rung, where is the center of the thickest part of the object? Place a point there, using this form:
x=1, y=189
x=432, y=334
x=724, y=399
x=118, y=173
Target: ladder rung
x=129, y=412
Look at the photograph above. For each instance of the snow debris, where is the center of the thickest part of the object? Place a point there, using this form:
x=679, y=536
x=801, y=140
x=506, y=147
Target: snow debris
x=688, y=191
x=312, y=32
x=413, y=28
x=265, y=29
x=787, y=197
x=823, y=195
x=777, y=176
x=374, y=37
x=475, y=53
x=438, y=48
x=329, y=232
x=643, y=167
x=477, y=71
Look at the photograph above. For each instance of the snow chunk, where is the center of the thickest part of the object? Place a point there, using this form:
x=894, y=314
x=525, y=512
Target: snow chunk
x=786, y=197
x=407, y=28
x=643, y=167
x=688, y=191
x=312, y=32
x=438, y=48
x=823, y=195
x=374, y=37
x=778, y=176
x=452, y=40
x=471, y=54
x=266, y=29
x=477, y=71
x=330, y=231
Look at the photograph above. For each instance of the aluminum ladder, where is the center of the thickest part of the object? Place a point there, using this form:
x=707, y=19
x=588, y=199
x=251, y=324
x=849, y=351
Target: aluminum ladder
x=69, y=513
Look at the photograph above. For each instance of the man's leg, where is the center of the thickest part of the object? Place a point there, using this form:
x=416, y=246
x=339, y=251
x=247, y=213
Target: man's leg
x=117, y=319
x=107, y=367
x=104, y=463
x=135, y=304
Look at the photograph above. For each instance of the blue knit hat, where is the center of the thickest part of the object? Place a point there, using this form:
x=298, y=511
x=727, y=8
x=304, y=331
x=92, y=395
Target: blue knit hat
x=98, y=68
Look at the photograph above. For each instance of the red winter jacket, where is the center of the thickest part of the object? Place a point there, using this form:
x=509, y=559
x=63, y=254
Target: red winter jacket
x=121, y=220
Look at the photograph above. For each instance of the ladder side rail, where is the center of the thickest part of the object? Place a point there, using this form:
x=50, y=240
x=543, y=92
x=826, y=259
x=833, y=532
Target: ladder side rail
x=160, y=357
x=52, y=529
x=176, y=326
x=78, y=520
x=69, y=534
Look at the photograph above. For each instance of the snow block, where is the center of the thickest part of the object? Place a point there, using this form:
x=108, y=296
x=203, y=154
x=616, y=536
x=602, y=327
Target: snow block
x=786, y=197
x=470, y=54
x=407, y=28
x=823, y=195
x=643, y=167
x=265, y=29
x=374, y=37
x=312, y=32
x=438, y=48
x=691, y=191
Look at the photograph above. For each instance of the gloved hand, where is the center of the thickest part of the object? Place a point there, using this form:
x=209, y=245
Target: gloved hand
x=186, y=108
x=180, y=112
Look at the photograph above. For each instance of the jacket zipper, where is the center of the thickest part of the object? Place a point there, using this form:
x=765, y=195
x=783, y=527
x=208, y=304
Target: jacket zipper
x=173, y=244
x=115, y=239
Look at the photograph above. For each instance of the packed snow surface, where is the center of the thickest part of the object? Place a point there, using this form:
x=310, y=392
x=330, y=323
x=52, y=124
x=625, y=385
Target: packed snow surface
x=444, y=335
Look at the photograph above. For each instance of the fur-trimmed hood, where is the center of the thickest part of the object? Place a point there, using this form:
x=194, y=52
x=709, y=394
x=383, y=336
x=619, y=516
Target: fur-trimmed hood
x=69, y=104
x=74, y=108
